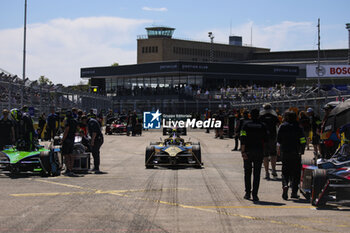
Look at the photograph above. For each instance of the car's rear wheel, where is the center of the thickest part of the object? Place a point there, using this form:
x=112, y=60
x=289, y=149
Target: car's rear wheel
x=319, y=179
x=309, y=162
x=45, y=163
x=149, y=152
x=196, y=150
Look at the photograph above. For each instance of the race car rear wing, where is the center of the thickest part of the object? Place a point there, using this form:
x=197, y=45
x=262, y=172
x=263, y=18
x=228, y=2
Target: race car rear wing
x=179, y=131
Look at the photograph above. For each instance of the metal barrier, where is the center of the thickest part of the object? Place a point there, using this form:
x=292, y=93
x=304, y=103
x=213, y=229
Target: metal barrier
x=42, y=97
x=199, y=106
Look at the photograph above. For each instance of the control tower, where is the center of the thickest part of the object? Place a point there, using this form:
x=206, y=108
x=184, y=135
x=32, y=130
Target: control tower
x=160, y=32
x=159, y=45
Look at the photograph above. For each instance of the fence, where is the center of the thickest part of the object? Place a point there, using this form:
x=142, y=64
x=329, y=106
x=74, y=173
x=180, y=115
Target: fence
x=42, y=97
x=184, y=106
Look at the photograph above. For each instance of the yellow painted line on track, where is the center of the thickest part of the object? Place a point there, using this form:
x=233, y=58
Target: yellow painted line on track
x=48, y=194
x=254, y=207
x=233, y=214
x=343, y=225
x=210, y=210
x=62, y=184
x=114, y=192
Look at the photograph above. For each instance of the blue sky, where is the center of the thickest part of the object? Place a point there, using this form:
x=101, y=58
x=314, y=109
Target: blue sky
x=65, y=35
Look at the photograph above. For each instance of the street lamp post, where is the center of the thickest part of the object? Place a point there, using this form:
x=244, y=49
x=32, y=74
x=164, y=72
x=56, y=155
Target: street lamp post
x=348, y=28
x=211, y=36
x=318, y=58
x=24, y=50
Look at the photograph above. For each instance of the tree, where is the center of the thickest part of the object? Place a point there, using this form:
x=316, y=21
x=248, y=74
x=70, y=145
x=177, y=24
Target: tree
x=115, y=64
x=81, y=86
x=44, y=81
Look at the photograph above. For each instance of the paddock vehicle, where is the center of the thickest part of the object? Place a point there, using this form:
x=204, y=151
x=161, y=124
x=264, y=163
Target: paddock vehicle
x=327, y=180
x=173, y=151
x=43, y=161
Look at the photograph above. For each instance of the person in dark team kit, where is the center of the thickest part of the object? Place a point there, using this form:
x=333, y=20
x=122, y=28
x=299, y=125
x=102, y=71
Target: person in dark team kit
x=70, y=128
x=7, y=135
x=291, y=141
x=96, y=135
x=253, y=137
x=27, y=130
x=52, y=120
x=237, y=132
x=269, y=117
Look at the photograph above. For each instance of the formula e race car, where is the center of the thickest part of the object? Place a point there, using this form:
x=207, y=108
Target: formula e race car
x=43, y=161
x=327, y=180
x=115, y=126
x=173, y=151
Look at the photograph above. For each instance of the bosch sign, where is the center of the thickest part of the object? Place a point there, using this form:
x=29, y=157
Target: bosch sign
x=312, y=71
x=340, y=70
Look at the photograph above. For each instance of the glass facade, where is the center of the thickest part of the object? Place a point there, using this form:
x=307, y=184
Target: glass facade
x=120, y=86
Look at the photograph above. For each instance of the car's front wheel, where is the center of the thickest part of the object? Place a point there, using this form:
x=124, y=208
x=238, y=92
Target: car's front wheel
x=148, y=156
x=319, y=179
x=196, y=150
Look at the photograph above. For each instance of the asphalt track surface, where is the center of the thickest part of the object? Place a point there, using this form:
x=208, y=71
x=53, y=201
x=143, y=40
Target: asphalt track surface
x=130, y=198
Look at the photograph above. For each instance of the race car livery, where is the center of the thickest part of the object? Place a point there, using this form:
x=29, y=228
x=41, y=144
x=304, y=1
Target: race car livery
x=173, y=151
x=44, y=161
x=327, y=180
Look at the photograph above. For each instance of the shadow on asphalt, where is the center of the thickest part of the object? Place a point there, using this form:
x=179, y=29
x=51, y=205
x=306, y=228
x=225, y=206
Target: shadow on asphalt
x=335, y=207
x=266, y=203
x=275, y=179
x=303, y=201
x=34, y=175
x=175, y=168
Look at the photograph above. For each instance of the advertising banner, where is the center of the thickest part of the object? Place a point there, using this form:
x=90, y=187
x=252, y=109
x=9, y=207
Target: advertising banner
x=327, y=71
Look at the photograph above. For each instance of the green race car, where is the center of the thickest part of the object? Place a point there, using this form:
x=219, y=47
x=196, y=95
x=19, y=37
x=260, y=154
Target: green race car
x=44, y=161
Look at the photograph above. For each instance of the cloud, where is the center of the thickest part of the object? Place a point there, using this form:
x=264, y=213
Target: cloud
x=60, y=47
x=284, y=36
x=162, y=9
